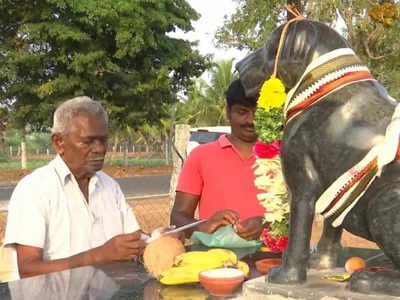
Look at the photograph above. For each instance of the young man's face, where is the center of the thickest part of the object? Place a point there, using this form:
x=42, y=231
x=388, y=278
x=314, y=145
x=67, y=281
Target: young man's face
x=242, y=122
x=84, y=147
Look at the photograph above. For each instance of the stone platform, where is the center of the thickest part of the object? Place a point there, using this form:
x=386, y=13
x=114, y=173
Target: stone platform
x=316, y=287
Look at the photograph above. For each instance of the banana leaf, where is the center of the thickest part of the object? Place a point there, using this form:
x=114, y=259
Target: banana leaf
x=224, y=237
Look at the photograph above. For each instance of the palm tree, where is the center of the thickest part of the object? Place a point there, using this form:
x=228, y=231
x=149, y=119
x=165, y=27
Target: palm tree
x=195, y=110
x=205, y=105
x=221, y=78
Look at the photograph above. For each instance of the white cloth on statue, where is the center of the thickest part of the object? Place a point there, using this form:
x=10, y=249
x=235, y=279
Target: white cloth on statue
x=48, y=210
x=389, y=146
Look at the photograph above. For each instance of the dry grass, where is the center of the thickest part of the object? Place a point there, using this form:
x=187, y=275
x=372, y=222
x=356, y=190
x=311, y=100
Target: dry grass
x=151, y=213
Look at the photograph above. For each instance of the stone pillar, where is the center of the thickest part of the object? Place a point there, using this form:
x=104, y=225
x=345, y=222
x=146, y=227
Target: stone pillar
x=180, y=143
x=24, y=153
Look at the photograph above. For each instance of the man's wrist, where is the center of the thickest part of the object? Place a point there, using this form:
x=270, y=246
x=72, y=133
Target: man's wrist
x=204, y=227
x=94, y=256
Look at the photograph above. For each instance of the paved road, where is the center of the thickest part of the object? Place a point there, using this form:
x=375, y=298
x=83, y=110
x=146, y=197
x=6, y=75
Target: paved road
x=132, y=187
x=145, y=185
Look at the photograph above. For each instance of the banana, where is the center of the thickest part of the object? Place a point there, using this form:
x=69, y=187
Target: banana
x=206, y=261
x=226, y=253
x=191, y=257
x=188, y=265
x=179, y=275
x=214, y=258
x=241, y=265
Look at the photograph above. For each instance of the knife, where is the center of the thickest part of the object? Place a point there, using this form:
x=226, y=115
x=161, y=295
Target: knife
x=156, y=234
x=184, y=227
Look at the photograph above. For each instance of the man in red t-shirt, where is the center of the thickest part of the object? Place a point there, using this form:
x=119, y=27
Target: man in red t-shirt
x=218, y=176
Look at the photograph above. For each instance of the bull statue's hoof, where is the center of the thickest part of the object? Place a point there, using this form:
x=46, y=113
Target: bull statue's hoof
x=322, y=262
x=381, y=282
x=284, y=275
x=325, y=256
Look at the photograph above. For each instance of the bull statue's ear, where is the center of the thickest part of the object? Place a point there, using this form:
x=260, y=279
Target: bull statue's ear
x=252, y=72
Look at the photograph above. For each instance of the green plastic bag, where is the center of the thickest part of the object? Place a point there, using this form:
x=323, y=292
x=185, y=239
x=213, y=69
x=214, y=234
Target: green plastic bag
x=225, y=237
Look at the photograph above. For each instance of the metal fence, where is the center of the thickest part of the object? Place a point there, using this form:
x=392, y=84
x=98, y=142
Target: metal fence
x=151, y=213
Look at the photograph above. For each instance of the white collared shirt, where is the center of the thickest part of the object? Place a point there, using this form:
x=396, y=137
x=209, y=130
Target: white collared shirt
x=48, y=210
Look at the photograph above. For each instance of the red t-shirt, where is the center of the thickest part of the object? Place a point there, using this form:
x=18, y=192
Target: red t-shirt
x=222, y=178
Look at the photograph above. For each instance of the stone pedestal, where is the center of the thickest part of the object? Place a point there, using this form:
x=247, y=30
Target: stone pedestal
x=316, y=287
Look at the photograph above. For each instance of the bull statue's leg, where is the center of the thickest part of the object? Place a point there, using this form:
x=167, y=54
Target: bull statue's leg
x=295, y=258
x=328, y=247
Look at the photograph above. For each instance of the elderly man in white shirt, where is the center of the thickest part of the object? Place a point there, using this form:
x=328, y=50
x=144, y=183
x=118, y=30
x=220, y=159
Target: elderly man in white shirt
x=69, y=213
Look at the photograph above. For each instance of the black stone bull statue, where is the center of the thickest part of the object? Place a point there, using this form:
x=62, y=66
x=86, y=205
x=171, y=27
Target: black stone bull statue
x=322, y=142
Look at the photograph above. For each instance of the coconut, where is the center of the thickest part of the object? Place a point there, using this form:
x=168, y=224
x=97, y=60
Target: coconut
x=159, y=254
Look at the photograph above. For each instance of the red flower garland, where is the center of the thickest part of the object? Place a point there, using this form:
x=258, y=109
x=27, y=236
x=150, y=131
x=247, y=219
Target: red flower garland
x=264, y=150
x=274, y=244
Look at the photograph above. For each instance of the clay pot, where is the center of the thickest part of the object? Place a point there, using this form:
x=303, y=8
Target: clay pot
x=263, y=265
x=221, y=282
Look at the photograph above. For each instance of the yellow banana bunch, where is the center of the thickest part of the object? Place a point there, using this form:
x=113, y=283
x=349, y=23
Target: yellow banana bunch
x=178, y=275
x=214, y=258
x=188, y=265
x=226, y=254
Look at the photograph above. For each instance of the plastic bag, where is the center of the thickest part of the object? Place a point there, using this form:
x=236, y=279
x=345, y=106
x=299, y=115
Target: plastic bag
x=225, y=237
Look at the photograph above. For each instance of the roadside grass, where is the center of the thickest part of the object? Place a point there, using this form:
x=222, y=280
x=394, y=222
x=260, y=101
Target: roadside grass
x=31, y=163
x=139, y=161
x=36, y=163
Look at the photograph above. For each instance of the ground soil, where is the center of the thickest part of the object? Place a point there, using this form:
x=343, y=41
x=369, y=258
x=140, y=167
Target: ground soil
x=8, y=177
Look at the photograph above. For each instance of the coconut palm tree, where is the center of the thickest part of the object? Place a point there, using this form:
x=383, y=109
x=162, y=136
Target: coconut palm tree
x=205, y=105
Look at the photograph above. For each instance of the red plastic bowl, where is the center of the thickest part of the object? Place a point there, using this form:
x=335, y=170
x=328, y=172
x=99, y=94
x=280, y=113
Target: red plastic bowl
x=221, y=282
x=263, y=265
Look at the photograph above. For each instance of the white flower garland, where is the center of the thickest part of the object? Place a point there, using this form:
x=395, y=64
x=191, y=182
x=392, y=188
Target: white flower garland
x=275, y=199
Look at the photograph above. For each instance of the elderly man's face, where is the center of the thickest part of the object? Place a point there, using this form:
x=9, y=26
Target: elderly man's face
x=84, y=147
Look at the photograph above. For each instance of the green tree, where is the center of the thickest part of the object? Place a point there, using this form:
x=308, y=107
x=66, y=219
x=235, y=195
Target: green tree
x=372, y=28
x=206, y=102
x=115, y=51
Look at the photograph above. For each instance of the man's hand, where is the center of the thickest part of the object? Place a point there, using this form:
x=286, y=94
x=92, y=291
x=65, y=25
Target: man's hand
x=251, y=228
x=121, y=247
x=219, y=219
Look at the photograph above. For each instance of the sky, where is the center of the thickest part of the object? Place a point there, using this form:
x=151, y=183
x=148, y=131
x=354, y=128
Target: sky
x=212, y=16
